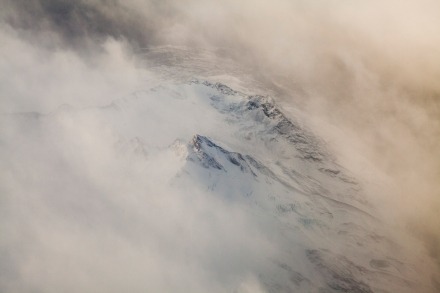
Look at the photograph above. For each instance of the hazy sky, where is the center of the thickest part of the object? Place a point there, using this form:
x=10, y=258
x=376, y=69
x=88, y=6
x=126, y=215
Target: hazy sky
x=371, y=69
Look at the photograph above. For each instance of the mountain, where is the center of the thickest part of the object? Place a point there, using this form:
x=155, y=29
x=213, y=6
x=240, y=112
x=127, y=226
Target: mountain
x=190, y=184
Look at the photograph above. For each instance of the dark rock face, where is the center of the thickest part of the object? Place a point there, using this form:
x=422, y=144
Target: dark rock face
x=200, y=143
x=308, y=146
x=224, y=89
x=208, y=154
x=304, y=142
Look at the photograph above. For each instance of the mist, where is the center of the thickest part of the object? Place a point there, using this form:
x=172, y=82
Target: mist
x=366, y=72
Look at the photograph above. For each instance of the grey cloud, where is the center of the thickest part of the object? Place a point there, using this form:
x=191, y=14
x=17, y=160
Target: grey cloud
x=83, y=24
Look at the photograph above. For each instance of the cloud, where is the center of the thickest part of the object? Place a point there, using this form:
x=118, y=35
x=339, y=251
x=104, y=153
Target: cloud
x=77, y=214
x=369, y=69
x=38, y=79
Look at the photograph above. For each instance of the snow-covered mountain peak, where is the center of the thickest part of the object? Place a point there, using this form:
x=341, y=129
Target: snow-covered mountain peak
x=255, y=184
